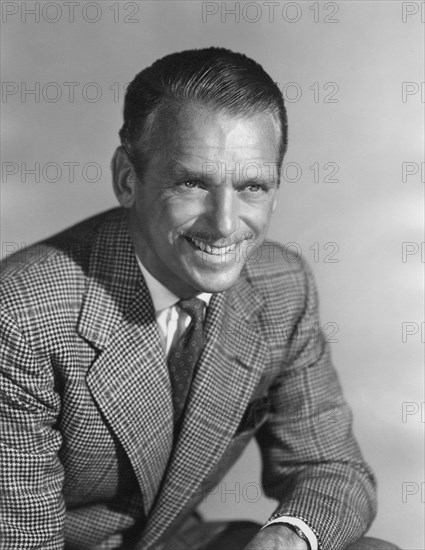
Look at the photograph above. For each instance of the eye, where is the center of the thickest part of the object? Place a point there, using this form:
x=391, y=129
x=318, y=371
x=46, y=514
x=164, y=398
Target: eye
x=190, y=184
x=254, y=188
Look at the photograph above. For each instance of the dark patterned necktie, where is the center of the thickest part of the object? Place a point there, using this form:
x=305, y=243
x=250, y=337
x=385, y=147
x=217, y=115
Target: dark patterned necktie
x=184, y=355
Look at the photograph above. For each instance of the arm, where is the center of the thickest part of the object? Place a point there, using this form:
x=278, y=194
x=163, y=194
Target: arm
x=32, y=511
x=311, y=462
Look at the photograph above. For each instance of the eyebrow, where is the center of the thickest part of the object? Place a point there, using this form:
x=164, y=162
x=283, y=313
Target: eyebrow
x=176, y=168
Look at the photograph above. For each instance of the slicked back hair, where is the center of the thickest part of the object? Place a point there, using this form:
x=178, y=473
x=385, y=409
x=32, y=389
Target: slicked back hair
x=216, y=78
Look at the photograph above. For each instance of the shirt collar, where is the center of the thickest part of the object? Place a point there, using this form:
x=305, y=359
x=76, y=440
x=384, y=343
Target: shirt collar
x=163, y=298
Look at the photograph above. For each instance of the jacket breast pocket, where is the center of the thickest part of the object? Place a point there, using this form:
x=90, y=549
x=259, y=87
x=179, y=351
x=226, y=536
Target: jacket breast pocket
x=255, y=415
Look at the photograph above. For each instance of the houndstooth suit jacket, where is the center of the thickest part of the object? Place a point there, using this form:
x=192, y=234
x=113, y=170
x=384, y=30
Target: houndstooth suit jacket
x=87, y=454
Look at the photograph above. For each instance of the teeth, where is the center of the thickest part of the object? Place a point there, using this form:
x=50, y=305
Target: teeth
x=216, y=250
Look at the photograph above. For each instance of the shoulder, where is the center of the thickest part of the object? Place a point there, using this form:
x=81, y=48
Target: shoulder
x=273, y=267
x=282, y=277
x=56, y=266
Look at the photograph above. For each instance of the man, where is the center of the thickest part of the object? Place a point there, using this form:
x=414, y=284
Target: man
x=143, y=348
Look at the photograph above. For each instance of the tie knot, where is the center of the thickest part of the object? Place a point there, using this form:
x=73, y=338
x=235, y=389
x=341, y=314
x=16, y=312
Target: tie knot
x=193, y=307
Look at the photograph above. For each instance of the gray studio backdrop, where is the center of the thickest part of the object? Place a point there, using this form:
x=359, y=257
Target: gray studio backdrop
x=351, y=73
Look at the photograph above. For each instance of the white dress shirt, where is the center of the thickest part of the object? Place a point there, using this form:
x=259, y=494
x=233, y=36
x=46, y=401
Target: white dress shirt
x=172, y=321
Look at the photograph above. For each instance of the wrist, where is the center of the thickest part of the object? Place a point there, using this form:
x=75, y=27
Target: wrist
x=300, y=534
x=299, y=525
x=289, y=536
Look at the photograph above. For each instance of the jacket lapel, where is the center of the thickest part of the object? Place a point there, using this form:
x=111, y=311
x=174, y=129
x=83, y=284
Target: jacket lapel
x=228, y=372
x=129, y=380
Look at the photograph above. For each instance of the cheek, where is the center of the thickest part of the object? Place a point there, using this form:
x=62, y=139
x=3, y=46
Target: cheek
x=181, y=213
x=167, y=225
x=259, y=216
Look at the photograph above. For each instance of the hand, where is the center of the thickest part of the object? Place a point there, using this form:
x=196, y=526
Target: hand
x=276, y=537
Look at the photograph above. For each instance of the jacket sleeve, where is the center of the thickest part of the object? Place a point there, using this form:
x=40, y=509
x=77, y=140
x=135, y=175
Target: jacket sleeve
x=32, y=510
x=311, y=462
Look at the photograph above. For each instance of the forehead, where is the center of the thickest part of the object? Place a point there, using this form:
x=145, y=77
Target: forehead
x=198, y=134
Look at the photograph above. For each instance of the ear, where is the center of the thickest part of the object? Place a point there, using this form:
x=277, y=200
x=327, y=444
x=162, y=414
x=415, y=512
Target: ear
x=124, y=178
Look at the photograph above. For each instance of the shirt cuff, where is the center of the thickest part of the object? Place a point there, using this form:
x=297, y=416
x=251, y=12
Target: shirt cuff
x=311, y=537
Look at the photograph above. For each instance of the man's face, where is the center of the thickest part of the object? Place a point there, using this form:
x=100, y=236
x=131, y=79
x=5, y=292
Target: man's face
x=207, y=192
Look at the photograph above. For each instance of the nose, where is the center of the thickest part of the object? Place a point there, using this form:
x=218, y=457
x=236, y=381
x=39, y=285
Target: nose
x=223, y=215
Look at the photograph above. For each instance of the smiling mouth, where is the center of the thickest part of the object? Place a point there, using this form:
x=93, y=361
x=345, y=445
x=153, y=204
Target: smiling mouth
x=210, y=249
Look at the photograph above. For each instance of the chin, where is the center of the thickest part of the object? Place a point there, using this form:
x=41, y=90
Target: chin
x=216, y=284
